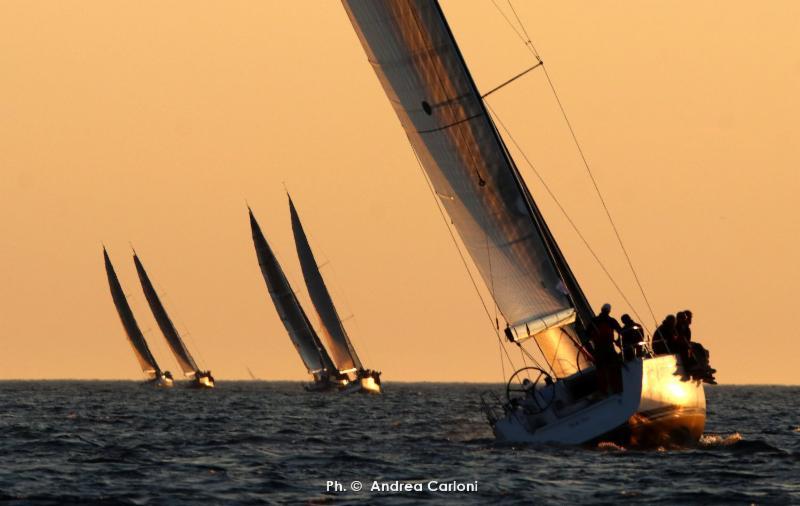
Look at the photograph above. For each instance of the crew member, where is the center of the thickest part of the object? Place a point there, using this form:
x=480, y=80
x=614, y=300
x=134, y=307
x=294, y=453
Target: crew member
x=631, y=337
x=601, y=332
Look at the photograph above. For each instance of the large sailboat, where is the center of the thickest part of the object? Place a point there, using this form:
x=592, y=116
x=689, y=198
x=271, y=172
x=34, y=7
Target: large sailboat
x=142, y=352
x=540, y=303
x=343, y=353
x=198, y=377
x=313, y=354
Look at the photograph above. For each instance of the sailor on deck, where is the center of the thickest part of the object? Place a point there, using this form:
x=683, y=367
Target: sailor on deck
x=631, y=336
x=601, y=332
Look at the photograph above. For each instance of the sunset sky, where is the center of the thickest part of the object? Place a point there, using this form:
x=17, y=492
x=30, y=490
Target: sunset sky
x=156, y=123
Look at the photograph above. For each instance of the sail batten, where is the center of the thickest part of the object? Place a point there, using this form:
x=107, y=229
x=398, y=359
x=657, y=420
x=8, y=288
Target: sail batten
x=301, y=332
x=140, y=349
x=342, y=352
x=424, y=76
x=176, y=344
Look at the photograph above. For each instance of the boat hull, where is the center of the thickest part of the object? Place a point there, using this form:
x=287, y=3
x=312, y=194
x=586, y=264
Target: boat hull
x=324, y=385
x=202, y=382
x=160, y=382
x=655, y=408
x=368, y=384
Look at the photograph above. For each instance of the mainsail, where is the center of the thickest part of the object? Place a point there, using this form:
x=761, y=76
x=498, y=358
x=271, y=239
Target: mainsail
x=342, y=351
x=415, y=56
x=174, y=340
x=140, y=348
x=308, y=345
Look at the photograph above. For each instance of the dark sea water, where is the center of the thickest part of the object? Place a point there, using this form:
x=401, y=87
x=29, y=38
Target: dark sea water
x=268, y=443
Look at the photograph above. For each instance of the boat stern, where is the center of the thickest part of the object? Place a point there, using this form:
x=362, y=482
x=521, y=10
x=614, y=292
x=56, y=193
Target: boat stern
x=672, y=410
x=203, y=379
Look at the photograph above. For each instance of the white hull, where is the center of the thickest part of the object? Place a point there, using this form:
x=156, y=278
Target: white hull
x=366, y=385
x=202, y=382
x=161, y=382
x=654, y=408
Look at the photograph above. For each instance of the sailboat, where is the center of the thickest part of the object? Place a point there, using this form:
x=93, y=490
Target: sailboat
x=150, y=368
x=410, y=46
x=198, y=377
x=343, y=353
x=313, y=354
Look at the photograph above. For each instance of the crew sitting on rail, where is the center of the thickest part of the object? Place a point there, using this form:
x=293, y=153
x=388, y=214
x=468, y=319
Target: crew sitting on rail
x=664, y=336
x=696, y=363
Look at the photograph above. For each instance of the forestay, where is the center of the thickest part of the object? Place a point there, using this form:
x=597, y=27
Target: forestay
x=424, y=76
x=184, y=358
x=342, y=351
x=302, y=334
x=135, y=336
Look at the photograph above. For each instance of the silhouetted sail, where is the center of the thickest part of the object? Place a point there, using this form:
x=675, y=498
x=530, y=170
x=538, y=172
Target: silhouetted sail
x=342, y=351
x=292, y=315
x=140, y=348
x=174, y=340
x=422, y=71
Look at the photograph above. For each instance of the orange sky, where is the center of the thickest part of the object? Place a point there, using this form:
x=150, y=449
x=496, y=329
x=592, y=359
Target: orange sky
x=153, y=122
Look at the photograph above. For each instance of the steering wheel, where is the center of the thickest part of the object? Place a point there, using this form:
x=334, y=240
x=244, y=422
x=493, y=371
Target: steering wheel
x=546, y=390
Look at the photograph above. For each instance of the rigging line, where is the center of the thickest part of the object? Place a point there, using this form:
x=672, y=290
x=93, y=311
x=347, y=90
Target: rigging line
x=528, y=40
x=600, y=196
x=563, y=211
x=535, y=53
x=351, y=347
x=502, y=364
x=187, y=333
x=509, y=81
x=510, y=23
x=464, y=262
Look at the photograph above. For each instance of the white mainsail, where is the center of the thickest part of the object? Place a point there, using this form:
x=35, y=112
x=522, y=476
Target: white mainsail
x=302, y=334
x=176, y=344
x=135, y=336
x=339, y=345
x=412, y=50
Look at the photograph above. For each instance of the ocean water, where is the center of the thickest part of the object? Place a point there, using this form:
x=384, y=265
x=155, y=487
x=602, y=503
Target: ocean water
x=272, y=443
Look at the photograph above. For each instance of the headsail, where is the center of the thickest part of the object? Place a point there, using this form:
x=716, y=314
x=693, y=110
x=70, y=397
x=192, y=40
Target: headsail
x=412, y=50
x=308, y=345
x=174, y=340
x=342, y=351
x=140, y=348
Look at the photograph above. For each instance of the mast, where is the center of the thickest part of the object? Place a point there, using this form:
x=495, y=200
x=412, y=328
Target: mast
x=422, y=71
x=578, y=298
x=135, y=336
x=302, y=334
x=342, y=351
x=176, y=344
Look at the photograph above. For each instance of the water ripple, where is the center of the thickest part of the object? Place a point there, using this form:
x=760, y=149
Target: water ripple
x=267, y=443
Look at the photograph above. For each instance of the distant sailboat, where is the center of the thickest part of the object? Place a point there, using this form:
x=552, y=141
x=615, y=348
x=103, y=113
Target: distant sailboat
x=344, y=355
x=305, y=339
x=146, y=360
x=199, y=378
x=415, y=56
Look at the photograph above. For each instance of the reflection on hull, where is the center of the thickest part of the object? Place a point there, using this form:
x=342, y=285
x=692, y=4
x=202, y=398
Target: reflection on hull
x=655, y=408
x=672, y=426
x=203, y=381
x=163, y=381
x=367, y=381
